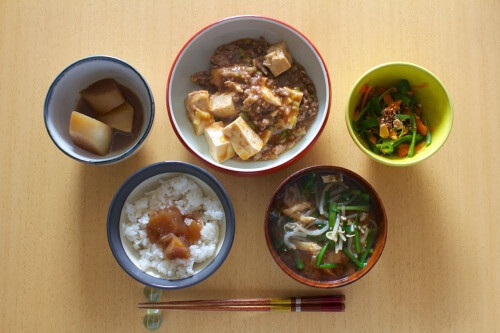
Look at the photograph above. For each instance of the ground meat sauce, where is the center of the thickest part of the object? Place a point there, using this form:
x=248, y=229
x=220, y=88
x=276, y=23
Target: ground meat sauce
x=241, y=71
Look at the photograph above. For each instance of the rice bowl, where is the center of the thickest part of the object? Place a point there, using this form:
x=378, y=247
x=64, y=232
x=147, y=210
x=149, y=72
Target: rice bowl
x=160, y=186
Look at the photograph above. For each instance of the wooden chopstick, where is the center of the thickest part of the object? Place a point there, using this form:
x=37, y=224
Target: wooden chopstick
x=333, y=303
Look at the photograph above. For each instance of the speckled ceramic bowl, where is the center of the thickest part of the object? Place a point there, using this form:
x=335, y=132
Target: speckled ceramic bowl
x=146, y=180
x=195, y=56
x=379, y=216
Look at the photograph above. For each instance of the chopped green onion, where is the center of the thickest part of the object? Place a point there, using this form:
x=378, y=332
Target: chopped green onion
x=309, y=183
x=358, y=208
x=321, y=253
x=353, y=259
x=298, y=263
x=357, y=245
x=368, y=246
x=332, y=214
x=327, y=266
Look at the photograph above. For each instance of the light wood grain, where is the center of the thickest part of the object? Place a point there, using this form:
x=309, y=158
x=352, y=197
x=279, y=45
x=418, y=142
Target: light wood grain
x=440, y=268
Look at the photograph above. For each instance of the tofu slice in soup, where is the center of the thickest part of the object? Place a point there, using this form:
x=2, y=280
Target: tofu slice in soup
x=89, y=133
x=244, y=140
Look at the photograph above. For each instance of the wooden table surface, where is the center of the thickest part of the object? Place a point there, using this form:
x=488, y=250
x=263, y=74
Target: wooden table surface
x=439, y=271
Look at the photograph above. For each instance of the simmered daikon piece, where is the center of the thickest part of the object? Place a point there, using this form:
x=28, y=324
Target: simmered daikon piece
x=103, y=96
x=120, y=117
x=89, y=133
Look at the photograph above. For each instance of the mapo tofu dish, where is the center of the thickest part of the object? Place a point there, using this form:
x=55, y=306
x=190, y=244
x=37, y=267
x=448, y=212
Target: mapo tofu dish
x=323, y=226
x=256, y=102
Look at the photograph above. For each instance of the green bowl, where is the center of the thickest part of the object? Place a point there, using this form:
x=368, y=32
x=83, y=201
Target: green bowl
x=434, y=99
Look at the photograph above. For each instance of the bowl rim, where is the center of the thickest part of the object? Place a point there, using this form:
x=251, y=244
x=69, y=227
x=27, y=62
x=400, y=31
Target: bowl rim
x=125, y=153
x=378, y=248
x=265, y=170
x=403, y=162
x=119, y=199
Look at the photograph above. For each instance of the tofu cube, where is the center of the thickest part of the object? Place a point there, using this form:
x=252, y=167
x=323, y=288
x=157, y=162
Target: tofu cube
x=222, y=105
x=218, y=145
x=103, y=96
x=200, y=99
x=90, y=134
x=197, y=108
x=120, y=118
x=278, y=58
x=244, y=140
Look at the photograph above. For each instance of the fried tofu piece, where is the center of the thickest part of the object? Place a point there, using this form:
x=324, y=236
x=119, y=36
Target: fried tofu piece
x=103, y=96
x=222, y=105
x=121, y=117
x=197, y=108
x=244, y=140
x=278, y=58
x=90, y=134
x=218, y=145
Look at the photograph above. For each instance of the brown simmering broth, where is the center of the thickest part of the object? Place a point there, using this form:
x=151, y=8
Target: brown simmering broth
x=121, y=140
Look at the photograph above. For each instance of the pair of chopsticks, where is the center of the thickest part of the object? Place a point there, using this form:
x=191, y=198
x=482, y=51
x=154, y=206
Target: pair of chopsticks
x=334, y=303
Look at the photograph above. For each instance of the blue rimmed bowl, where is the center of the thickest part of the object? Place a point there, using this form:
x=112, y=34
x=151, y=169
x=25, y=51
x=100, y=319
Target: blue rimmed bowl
x=64, y=94
x=147, y=179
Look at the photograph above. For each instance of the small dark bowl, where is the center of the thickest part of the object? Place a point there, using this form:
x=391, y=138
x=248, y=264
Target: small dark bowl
x=145, y=180
x=381, y=233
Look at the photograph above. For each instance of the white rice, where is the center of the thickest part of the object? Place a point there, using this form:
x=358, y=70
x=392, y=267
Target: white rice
x=187, y=196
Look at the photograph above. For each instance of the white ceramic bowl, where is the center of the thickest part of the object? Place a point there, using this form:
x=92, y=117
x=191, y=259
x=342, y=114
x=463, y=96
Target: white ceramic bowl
x=64, y=94
x=195, y=56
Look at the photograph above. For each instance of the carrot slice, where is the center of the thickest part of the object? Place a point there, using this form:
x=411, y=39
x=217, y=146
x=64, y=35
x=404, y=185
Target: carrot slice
x=423, y=85
x=365, y=97
x=403, y=150
x=420, y=146
x=363, y=89
x=373, y=139
x=421, y=128
x=388, y=99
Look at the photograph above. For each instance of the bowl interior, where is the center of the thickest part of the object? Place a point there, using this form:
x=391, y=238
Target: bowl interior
x=196, y=57
x=380, y=217
x=149, y=185
x=64, y=94
x=434, y=99
x=146, y=180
